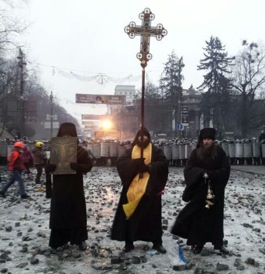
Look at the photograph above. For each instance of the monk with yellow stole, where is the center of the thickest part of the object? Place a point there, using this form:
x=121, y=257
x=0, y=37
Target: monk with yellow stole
x=144, y=176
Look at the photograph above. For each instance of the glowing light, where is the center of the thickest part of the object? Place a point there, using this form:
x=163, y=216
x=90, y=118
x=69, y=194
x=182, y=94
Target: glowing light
x=106, y=124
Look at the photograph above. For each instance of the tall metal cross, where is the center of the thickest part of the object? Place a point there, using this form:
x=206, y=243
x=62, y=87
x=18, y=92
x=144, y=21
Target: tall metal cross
x=145, y=31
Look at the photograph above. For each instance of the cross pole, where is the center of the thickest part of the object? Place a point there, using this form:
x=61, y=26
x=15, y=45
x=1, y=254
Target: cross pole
x=145, y=31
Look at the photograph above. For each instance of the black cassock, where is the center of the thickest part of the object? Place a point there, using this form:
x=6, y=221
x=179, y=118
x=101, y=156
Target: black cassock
x=145, y=222
x=68, y=218
x=195, y=222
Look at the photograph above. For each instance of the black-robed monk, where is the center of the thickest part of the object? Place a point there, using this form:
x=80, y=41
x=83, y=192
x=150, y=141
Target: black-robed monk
x=138, y=217
x=206, y=173
x=68, y=217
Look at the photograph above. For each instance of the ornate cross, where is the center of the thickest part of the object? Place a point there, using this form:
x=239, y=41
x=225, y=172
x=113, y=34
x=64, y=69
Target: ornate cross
x=145, y=31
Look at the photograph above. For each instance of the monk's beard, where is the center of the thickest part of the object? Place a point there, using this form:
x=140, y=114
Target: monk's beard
x=205, y=152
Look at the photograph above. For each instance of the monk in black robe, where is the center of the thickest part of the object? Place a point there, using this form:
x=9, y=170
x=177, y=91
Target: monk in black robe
x=68, y=216
x=138, y=216
x=206, y=175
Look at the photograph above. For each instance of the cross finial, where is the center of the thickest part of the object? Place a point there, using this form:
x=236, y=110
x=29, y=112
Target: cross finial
x=145, y=31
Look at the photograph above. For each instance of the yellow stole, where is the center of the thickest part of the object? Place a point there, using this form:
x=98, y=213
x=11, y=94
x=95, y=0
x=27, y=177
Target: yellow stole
x=138, y=185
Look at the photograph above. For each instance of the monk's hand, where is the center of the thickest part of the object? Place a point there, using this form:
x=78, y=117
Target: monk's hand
x=143, y=167
x=138, y=161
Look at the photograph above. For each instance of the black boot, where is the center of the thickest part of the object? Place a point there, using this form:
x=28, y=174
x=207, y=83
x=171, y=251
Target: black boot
x=128, y=247
x=197, y=249
x=223, y=250
x=159, y=248
x=83, y=246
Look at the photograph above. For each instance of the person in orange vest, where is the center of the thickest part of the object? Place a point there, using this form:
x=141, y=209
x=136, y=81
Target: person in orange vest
x=15, y=167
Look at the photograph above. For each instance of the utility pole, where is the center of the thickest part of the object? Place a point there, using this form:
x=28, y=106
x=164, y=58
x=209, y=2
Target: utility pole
x=179, y=93
x=21, y=64
x=51, y=113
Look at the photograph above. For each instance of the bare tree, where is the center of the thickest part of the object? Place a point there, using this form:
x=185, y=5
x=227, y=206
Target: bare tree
x=9, y=80
x=10, y=25
x=249, y=78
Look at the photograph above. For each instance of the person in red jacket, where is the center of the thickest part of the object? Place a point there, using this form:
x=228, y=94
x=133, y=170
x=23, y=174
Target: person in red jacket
x=15, y=166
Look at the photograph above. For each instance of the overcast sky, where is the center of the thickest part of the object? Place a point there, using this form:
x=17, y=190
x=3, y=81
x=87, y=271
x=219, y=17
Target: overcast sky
x=87, y=38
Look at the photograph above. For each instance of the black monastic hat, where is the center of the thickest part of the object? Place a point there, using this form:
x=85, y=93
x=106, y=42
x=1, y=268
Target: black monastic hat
x=207, y=133
x=145, y=133
x=67, y=129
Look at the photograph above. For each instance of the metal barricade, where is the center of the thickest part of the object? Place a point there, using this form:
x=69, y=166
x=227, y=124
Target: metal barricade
x=96, y=148
x=121, y=149
x=113, y=152
x=263, y=153
x=239, y=152
x=181, y=154
x=232, y=152
x=175, y=154
x=256, y=150
x=187, y=151
x=113, y=149
x=3, y=153
x=168, y=153
x=104, y=150
x=225, y=147
x=193, y=145
x=248, y=152
x=9, y=149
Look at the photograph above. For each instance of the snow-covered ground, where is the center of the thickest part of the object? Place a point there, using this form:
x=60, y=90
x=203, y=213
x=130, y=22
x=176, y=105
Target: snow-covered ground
x=24, y=231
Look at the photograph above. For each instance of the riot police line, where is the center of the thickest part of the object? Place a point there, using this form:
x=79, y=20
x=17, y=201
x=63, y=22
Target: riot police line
x=103, y=153
x=240, y=152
